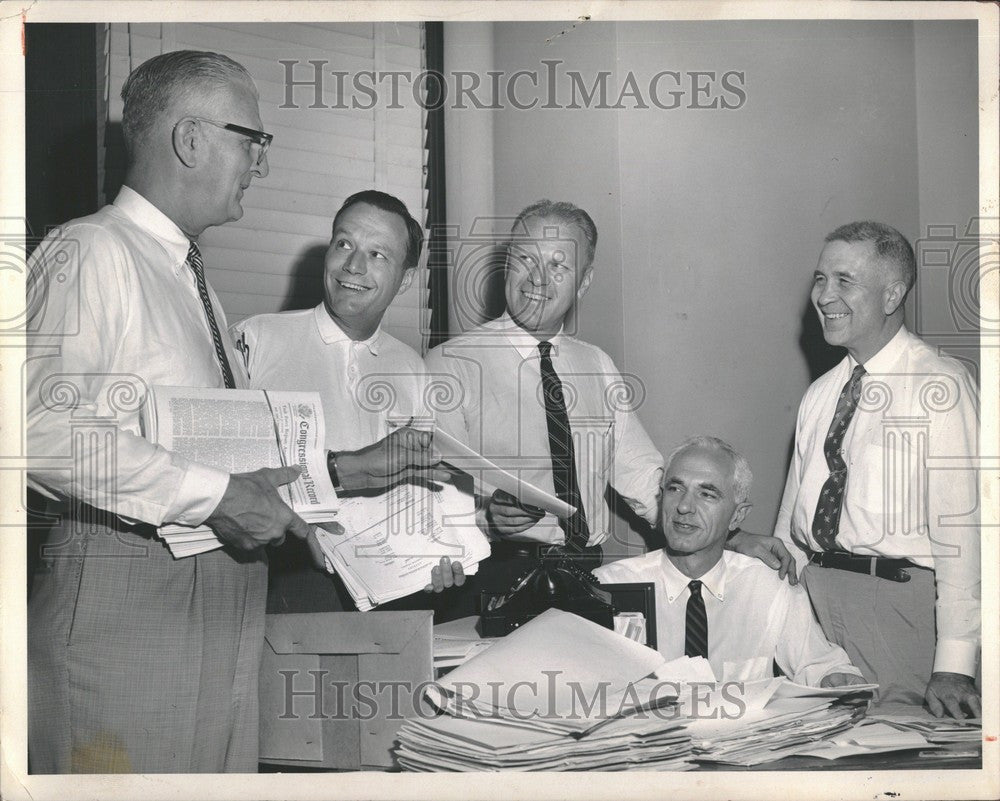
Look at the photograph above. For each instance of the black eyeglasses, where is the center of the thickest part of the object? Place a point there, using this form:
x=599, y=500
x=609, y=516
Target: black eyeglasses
x=259, y=138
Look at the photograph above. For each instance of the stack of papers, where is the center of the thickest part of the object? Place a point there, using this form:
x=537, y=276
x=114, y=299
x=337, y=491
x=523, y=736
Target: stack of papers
x=932, y=729
x=393, y=540
x=559, y=693
x=773, y=718
x=447, y=743
x=457, y=641
x=868, y=738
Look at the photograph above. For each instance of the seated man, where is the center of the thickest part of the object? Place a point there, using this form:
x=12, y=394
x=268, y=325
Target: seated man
x=730, y=608
x=367, y=379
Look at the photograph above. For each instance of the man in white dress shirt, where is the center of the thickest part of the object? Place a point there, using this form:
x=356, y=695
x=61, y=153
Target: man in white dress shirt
x=747, y=617
x=499, y=388
x=499, y=377
x=138, y=662
x=369, y=381
x=881, y=494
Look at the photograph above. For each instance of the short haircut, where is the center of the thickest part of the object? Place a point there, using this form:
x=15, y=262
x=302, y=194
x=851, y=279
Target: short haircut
x=742, y=476
x=565, y=212
x=392, y=205
x=891, y=246
x=156, y=84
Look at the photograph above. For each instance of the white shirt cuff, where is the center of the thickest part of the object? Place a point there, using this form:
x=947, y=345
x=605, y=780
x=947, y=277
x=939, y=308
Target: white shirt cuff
x=200, y=492
x=956, y=656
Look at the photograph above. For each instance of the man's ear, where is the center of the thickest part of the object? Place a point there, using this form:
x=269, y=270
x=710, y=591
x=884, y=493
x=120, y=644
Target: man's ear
x=186, y=141
x=407, y=280
x=742, y=510
x=893, y=296
x=588, y=276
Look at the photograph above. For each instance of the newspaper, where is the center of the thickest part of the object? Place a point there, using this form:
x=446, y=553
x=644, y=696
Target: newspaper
x=239, y=431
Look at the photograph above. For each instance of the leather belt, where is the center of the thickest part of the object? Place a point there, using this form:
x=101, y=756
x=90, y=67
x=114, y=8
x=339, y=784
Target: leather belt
x=879, y=566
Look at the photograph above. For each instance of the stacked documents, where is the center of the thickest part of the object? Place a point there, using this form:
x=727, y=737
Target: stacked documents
x=447, y=743
x=868, y=737
x=239, y=431
x=559, y=693
x=457, y=641
x=768, y=720
x=391, y=541
x=932, y=729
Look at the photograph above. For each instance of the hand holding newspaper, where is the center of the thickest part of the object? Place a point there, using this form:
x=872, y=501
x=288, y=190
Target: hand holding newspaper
x=392, y=540
x=239, y=431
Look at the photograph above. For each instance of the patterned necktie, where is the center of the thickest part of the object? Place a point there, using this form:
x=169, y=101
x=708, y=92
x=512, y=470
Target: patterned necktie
x=564, y=476
x=826, y=521
x=198, y=268
x=696, y=623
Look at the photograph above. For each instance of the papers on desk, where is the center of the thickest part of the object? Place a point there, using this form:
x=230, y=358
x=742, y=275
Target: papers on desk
x=448, y=743
x=559, y=693
x=488, y=474
x=868, y=738
x=393, y=540
x=457, y=641
x=781, y=728
x=934, y=730
x=749, y=723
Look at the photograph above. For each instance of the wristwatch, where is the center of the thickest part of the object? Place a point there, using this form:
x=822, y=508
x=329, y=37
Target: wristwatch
x=331, y=466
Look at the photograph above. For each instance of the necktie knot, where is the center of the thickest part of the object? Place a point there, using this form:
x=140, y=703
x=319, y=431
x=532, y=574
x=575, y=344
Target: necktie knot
x=545, y=348
x=194, y=257
x=855, y=383
x=695, y=586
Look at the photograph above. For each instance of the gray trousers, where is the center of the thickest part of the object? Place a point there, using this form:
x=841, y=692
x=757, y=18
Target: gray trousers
x=140, y=663
x=886, y=627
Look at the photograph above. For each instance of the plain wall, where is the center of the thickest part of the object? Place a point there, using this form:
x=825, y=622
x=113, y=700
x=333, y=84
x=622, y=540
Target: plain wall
x=711, y=221
x=947, y=296
x=722, y=238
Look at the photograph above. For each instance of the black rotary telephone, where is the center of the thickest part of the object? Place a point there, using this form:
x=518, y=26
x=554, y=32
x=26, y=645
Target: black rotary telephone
x=554, y=582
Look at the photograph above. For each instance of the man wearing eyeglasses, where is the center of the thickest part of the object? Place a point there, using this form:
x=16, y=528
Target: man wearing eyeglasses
x=139, y=662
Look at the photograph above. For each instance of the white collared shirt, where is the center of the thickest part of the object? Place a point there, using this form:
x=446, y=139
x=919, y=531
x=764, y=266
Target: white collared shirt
x=911, y=487
x=487, y=388
x=754, y=618
x=365, y=385
x=116, y=310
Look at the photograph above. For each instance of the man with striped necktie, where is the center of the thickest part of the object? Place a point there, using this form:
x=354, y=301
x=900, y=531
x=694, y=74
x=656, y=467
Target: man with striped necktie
x=715, y=603
x=138, y=662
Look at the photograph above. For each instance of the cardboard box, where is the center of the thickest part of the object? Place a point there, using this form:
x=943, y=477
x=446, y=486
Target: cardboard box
x=336, y=686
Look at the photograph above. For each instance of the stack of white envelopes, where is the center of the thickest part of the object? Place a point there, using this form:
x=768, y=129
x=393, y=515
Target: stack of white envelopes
x=559, y=693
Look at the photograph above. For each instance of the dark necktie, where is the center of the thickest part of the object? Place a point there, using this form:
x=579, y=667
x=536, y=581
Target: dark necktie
x=564, y=476
x=198, y=268
x=696, y=623
x=826, y=521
